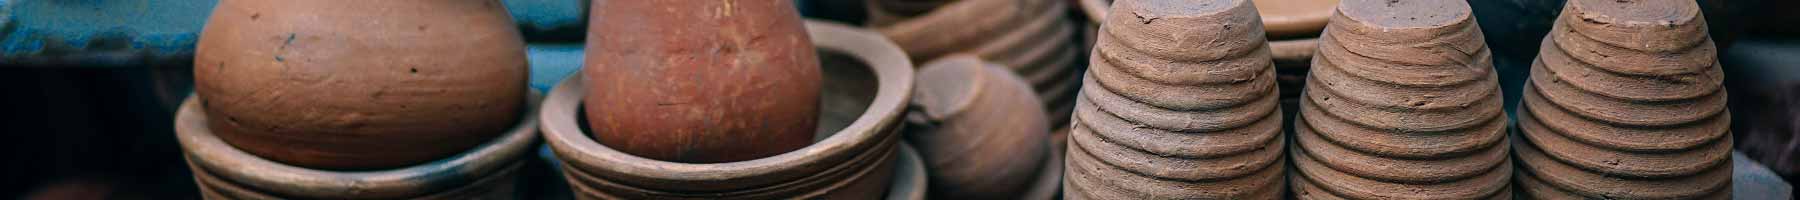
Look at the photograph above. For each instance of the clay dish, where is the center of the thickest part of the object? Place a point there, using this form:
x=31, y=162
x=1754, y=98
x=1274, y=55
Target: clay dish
x=226, y=170
x=1190, y=31
x=1150, y=114
x=1400, y=145
x=1090, y=178
x=1705, y=156
x=1577, y=181
x=1623, y=138
x=889, y=75
x=978, y=126
x=354, y=85
x=958, y=26
x=1294, y=18
x=1487, y=184
x=1382, y=168
x=1193, y=145
x=1179, y=97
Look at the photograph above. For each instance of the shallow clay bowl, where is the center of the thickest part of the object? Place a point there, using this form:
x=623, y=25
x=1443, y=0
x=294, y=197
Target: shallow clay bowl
x=887, y=84
x=909, y=175
x=211, y=157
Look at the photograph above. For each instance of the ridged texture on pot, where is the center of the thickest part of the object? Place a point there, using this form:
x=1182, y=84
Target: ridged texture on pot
x=1402, y=103
x=336, y=84
x=1179, y=103
x=981, y=131
x=487, y=171
x=701, y=81
x=854, y=156
x=1625, y=102
x=1033, y=38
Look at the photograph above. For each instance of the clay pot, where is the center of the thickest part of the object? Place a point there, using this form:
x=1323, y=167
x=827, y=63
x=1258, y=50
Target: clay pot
x=1625, y=100
x=488, y=171
x=1030, y=37
x=853, y=158
x=363, y=85
x=701, y=81
x=1402, y=103
x=1165, y=114
x=979, y=126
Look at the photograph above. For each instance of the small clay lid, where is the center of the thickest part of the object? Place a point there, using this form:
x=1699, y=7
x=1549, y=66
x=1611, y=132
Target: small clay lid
x=1294, y=18
x=1646, y=25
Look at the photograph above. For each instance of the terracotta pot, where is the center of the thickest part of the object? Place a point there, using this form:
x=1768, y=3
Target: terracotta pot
x=227, y=172
x=1177, y=105
x=850, y=160
x=1625, y=100
x=979, y=127
x=359, y=85
x=1402, y=102
x=701, y=81
x=1031, y=37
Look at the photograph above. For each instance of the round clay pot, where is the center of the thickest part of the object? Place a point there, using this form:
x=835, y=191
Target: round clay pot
x=226, y=172
x=1625, y=100
x=851, y=159
x=358, y=85
x=1031, y=37
x=979, y=127
x=701, y=81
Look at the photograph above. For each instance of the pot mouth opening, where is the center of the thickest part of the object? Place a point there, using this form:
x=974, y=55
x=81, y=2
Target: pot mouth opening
x=860, y=102
x=206, y=151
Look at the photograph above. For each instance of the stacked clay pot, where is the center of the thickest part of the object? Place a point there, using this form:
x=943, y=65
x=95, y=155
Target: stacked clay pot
x=336, y=99
x=855, y=151
x=1625, y=102
x=980, y=129
x=1033, y=38
x=1401, y=103
x=350, y=85
x=701, y=81
x=1179, y=103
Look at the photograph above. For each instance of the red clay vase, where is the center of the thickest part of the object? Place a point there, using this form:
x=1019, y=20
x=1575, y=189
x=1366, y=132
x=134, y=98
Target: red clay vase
x=343, y=84
x=700, y=81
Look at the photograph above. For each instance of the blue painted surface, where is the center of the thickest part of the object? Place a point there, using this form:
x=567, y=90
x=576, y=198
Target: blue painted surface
x=100, y=32
x=135, y=33
x=552, y=62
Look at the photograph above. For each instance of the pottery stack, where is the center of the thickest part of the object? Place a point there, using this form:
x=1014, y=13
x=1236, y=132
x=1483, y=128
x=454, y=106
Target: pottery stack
x=1402, y=103
x=982, y=133
x=1625, y=102
x=341, y=99
x=1031, y=37
x=1179, y=103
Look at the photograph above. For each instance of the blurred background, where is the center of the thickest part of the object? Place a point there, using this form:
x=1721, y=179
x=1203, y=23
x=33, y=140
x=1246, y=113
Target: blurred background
x=91, y=86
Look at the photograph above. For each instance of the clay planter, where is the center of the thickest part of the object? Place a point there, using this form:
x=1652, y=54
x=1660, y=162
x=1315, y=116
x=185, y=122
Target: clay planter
x=1625, y=101
x=358, y=85
x=487, y=171
x=1402, y=103
x=853, y=158
x=1031, y=37
x=701, y=81
x=1165, y=114
x=979, y=127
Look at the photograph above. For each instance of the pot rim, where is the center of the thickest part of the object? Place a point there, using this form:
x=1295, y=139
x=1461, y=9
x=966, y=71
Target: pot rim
x=222, y=160
x=909, y=180
x=891, y=67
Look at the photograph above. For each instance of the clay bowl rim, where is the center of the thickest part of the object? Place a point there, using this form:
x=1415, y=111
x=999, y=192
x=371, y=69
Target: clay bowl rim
x=891, y=67
x=910, y=181
x=228, y=163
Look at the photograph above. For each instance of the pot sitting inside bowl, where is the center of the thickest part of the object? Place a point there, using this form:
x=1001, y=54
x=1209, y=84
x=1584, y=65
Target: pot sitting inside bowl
x=853, y=155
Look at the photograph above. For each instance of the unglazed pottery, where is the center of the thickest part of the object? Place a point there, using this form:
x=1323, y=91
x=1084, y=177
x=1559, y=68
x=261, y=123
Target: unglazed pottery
x=222, y=171
x=979, y=127
x=853, y=158
x=701, y=81
x=1179, y=103
x=1402, y=103
x=355, y=85
x=1625, y=101
x=1033, y=38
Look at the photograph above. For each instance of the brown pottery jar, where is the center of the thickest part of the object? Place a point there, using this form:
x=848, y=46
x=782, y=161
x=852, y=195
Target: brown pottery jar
x=701, y=81
x=341, y=84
